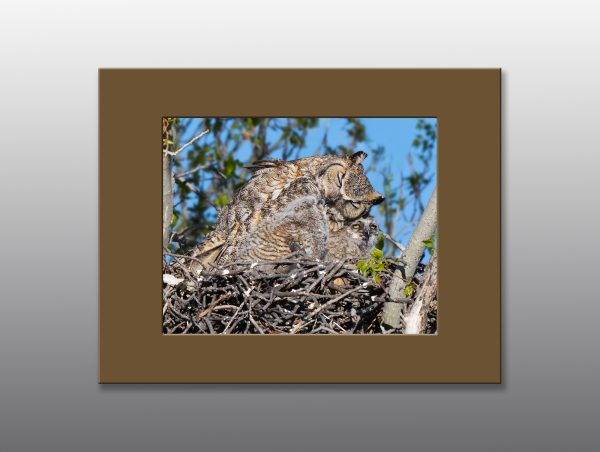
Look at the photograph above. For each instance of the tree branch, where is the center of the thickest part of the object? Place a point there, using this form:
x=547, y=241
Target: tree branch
x=192, y=141
x=415, y=320
x=167, y=185
x=192, y=171
x=394, y=242
x=411, y=258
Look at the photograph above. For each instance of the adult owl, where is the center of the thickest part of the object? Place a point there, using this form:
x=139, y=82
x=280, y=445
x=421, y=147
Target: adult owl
x=338, y=181
x=355, y=240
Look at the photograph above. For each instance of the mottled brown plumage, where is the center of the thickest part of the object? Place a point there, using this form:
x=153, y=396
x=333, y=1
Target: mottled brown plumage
x=355, y=240
x=300, y=226
x=337, y=182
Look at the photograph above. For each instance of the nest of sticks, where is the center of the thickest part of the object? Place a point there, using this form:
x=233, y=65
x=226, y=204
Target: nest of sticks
x=295, y=295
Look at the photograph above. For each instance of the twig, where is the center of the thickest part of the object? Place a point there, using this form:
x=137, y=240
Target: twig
x=182, y=256
x=302, y=324
x=335, y=300
x=192, y=141
x=233, y=317
x=394, y=242
x=192, y=171
x=210, y=307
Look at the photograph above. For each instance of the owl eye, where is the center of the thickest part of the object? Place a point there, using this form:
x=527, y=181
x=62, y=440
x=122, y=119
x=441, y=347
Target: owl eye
x=339, y=180
x=373, y=227
x=355, y=226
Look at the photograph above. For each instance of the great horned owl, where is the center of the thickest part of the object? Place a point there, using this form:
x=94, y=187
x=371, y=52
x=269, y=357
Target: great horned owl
x=300, y=226
x=355, y=240
x=339, y=181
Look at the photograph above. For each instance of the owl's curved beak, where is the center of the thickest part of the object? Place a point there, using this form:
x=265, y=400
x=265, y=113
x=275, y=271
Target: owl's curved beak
x=376, y=198
x=366, y=233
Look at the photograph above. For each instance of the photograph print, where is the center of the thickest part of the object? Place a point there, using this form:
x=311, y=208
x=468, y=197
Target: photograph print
x=299, y=226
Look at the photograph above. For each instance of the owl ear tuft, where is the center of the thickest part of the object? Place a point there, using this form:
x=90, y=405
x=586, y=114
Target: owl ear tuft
x=358, y=157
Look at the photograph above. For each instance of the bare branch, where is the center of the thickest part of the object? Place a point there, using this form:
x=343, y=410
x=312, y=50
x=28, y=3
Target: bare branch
x=192, y=141
x=394, y=242
x=192, y=171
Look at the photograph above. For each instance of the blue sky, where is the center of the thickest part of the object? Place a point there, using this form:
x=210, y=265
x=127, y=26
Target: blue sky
x=396, y=135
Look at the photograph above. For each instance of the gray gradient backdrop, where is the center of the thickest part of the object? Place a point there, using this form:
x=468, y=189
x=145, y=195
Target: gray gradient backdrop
x=50, y=53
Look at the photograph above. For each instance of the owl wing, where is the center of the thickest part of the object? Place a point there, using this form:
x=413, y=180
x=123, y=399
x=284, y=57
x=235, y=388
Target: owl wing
x=265, y=164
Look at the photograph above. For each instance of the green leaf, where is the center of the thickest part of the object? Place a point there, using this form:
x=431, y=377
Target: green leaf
x=174, y=219
x=377, y=254
x=408, y=290
x=229, y=166
x=362, y=266
x=428, y=243
x=221, y=200
x=377, y=278
x=380, y=241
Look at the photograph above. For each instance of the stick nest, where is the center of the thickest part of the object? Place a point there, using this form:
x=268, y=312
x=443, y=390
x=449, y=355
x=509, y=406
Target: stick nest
x=295, y=295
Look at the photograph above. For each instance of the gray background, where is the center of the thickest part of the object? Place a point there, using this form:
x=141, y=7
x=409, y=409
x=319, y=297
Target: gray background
x=50, y=53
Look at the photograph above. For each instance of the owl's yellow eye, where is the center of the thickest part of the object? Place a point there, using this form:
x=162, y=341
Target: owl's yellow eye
x=355, y=226
x=373, y=227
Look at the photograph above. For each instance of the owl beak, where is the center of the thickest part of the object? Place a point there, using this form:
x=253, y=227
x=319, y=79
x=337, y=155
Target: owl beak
x=376, y=198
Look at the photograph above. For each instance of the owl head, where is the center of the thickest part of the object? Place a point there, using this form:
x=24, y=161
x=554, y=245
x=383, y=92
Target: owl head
x=356, y=239
x=364, y=231
x=346, y=187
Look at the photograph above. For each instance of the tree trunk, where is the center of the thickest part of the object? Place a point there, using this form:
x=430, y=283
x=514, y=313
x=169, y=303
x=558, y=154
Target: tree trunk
x=167, y=185
x=415, y=320
x=411, y=258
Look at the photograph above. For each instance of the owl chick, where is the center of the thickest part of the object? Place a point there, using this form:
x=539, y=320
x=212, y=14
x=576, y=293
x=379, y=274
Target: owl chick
x=300, y=226
x=355, y=240
x=339, y=181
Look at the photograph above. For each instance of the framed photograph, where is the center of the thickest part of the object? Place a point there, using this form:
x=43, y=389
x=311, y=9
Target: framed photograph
x=290, y=225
